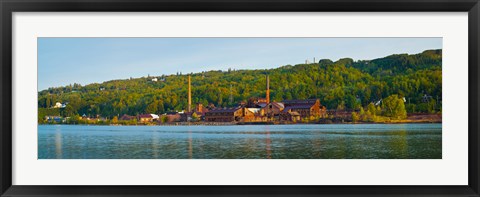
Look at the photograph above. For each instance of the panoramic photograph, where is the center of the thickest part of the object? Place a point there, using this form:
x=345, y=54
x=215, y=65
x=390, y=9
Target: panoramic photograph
x=239, y=98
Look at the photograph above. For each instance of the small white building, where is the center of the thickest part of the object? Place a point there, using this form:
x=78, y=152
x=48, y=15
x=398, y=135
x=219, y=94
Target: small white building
x=154, y=79
x=155, y=116
x=59, y=105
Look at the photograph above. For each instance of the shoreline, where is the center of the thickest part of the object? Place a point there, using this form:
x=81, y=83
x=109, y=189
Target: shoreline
x=255, y=123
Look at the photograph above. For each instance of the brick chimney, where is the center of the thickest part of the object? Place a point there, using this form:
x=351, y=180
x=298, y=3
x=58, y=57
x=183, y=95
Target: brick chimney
x=199, y=107
x=189, y=95
x=267, y=96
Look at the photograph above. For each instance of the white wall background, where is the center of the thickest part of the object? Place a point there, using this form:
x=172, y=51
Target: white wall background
x=451, y=170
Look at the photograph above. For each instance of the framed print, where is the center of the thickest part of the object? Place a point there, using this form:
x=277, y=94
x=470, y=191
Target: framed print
x=239, y=98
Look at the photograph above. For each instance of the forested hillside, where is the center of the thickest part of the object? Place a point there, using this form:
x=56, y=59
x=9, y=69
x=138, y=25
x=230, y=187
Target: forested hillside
x=343, y=84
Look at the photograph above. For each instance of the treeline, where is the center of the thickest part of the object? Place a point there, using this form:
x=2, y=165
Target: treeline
x=344, y=84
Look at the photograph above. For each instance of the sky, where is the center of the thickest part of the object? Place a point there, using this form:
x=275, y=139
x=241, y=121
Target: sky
x=64, y=61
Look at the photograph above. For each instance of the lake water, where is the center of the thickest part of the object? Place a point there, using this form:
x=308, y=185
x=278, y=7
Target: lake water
x=332, y=141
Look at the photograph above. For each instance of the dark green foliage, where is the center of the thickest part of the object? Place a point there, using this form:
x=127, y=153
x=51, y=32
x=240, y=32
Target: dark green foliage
x=344, y=83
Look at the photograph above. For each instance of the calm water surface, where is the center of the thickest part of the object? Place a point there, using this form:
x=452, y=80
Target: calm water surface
x=335, y=141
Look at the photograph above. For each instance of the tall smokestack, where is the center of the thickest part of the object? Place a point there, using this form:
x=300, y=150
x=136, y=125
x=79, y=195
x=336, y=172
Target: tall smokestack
x=189, y=95
x=268, y=90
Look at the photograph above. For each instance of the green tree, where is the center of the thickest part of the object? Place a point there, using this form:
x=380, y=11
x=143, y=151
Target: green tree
x=355, y=117
x=164, y=119
x=69, y=111
x=73, y=119
x=371, y=109
x=115, y=120
x=394, y=107
x=152, y=108
x=195, y=117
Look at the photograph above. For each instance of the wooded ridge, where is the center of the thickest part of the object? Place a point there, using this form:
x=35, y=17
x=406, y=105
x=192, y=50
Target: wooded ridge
x=343, y=84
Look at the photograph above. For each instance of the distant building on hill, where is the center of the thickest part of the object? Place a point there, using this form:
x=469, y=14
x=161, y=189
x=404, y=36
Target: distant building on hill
x=426, y=98
x=59, y=105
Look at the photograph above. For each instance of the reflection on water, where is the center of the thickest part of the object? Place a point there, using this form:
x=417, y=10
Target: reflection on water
x=399, y=145
x=363, y=141
x=58, y=143
x=267, y=144
x=155, y=147
x=190, y=148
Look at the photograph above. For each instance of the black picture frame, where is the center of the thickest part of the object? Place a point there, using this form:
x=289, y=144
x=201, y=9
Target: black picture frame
x=10, y=6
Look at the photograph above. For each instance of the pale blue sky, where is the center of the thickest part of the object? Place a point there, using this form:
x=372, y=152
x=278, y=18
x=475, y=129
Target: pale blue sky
x=63, y=61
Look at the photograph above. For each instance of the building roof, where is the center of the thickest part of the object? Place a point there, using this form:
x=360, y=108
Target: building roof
x=294, y=113
x=278, y=104
x=232, y=109
x=145, y=116
x=307, y=106
x=262, y=104
x=306, y=101
x=127, y=117
x=191, y=113
x=258, y=99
